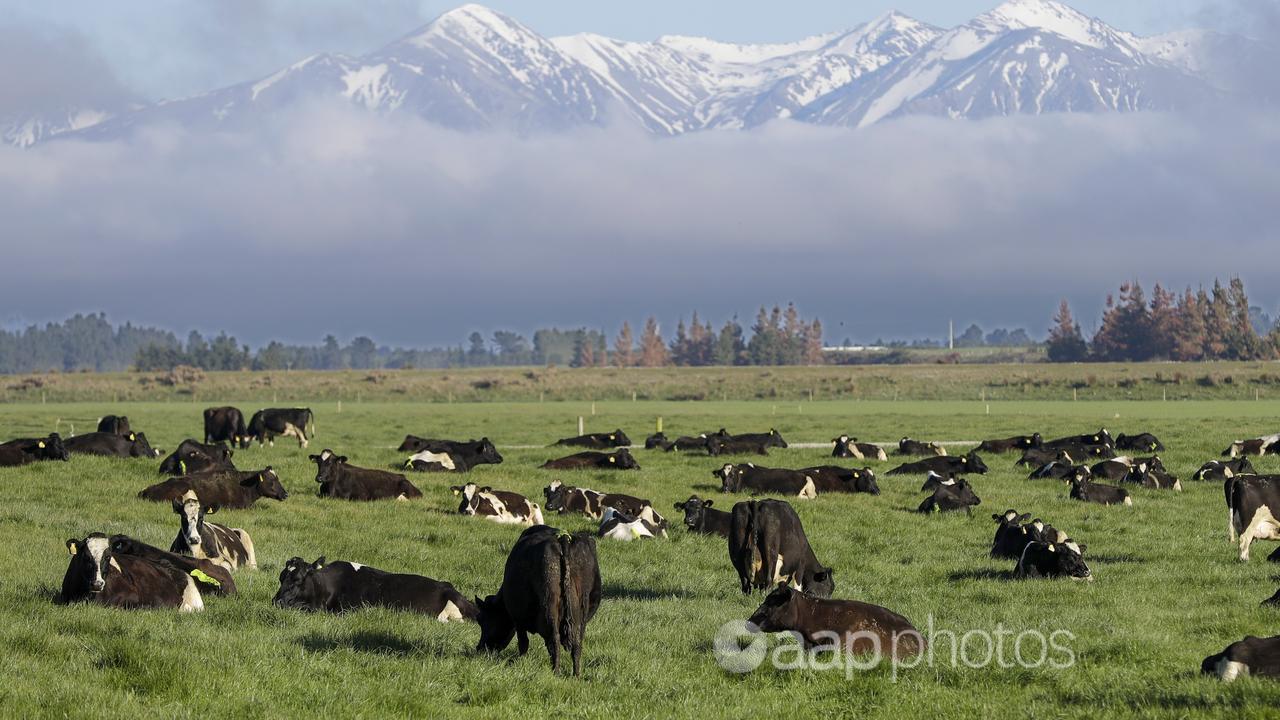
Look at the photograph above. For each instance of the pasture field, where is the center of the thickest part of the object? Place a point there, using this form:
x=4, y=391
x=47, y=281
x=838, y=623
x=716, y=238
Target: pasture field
x=1168, y=591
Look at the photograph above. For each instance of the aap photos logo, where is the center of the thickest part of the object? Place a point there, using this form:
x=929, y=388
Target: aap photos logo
x=740, y=647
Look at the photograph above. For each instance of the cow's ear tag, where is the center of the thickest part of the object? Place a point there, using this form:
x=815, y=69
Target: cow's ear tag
x=40, y=445
x=204, y=578
x=132, y=437
x=1052, y=548
x=613, y=459
x=1024, y=531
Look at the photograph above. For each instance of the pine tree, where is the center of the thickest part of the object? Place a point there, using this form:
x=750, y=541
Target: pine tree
x=1163, y=322
x=1066, y=343
x=1217, y=322
x=813, y=344
x=729, y=348
x=653, y=352
x=1189, y=340
x=1126, y=327
x=680, y=345
x=624, y=352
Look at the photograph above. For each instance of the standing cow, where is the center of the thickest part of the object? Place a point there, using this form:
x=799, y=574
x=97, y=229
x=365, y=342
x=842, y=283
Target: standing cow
x=226, y=424
x=767, y=545
x=266, y=425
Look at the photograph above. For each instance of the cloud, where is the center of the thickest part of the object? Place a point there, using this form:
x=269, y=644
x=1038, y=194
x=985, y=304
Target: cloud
x=331, y=220
x=50, y=69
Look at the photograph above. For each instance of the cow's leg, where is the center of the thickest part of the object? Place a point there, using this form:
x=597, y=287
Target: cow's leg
x=1231, y=525
x=522, y=641
x=251, y=557
x=1260, y=516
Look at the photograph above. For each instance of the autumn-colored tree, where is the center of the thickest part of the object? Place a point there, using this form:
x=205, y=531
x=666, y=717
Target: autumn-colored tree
x=624, y=347
x=653, y=352
x=1188, y=331
x=1066, y=343
x=1126, y=327
x=1163, y=320
x=813, y=344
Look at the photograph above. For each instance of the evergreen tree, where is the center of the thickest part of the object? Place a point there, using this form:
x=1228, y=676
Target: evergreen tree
x=1163, y=323
x=653, y=351
x=1189, y=337
x=1126, y=327
x=729, y=348
x=624, y=352
x=1066, y=343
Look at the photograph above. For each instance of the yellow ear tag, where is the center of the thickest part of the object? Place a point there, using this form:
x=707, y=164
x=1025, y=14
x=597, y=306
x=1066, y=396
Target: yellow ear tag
x=1052, y=548
x=182, y=467
x=40, y=445
x=635, y=532
x=457, y=492
x=1024, y=531
x=613, y=459
x=132, y=437
x=613, y=437
x=71, y=549
x=200, y=576
x=857, y=474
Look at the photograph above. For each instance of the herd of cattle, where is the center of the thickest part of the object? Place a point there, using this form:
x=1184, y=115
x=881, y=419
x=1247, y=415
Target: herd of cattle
x=551, y=583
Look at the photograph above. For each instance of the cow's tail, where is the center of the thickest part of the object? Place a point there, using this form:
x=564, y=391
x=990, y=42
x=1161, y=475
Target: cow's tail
x=567, y=604
x=757, y=555
x=1229, y=490
x=310, y=427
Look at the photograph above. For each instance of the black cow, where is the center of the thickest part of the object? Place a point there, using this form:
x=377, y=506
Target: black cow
x=862, y=628
x=1017, y=442
x=1254, y=446
x=339, y=480
x=341, y=586
x=234, y=490
x=224, y=546
x=943, y=465
x=551, y=587
x=266, y=425
x=28, y=450
x=1053, y=560
x=1072, y=453
x=1014, y=532
x=767, y=545
x=722, y=443
x=619, y=459
x=226, y=424
x=211, y=578
x=656, y=441
x=1084, y=489
x=598, y=441
x=1253, y=505
x=1220, y=470
x=133, y=445
x=1102, y=437
x=114, y=424
x=96, y=575
x=1255, y=656
x=563, y=499
x=833, y=478
x=736, y=478
x=449, y=455
x=700, y=517
x=1142, y=442
x=949, y=496
x=907, y=446
x=1057, y=469
x=689, y=442
x=192, y=457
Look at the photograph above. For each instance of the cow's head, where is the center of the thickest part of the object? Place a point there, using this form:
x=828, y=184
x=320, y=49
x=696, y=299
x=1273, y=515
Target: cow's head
x=555, y=493
x=656, y=440
x=1010, y=519
x=487, y=452
x=775, y=439
x=191, y=512
x=292, y=578
x=973, y=463
x=91, y=564
x=1102, y=437
x=268, y=484
x=818, y=581
x=1034, y=441
x=864, y=480
x=139, y=447
x=327, y=465
x=962, y=491
x=695, y=509
x=846, y=446
x=730, y=477
x=623, y=460
x=780, y=610
x=51, y=448
x=1068, y=559
x=619, y=438
x=496, y=626
x=470, y=497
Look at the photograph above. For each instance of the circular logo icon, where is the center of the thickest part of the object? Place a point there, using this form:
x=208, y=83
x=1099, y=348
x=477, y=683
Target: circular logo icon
x=739, y=646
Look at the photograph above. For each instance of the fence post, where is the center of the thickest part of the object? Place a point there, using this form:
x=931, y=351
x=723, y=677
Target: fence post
x=659, y=423
x=580, y=426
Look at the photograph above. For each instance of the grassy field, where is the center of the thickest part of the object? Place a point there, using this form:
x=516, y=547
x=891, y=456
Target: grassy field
x=1168, y=591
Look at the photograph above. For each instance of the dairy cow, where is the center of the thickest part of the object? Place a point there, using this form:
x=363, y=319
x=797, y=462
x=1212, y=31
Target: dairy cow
x=499, y=506
x=342, y=586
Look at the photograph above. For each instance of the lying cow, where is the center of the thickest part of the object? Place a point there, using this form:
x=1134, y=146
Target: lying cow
x=1149, y=476
x=451, y=455
x=849, y=447
x=1017, y=442
x=907, y=446
x=1252, y=504
x=620, y=459
x=211, y=578
x=1142, y=442
x=563, y=499
x=615, y=525
x=737, y=478
x=1053, y=560
x=266, y=425
x=656, y=441
x=341, y=586
x=499, y=506
x=96, y=575
x=964, y=464
x=133, y=445
x=228, y=547
x=226, y=424
x=861, y=628
x=697, y=443
x=833, y=479
x=228, y=490
x=1058, y=469
x=1255, y=656
x=1074, y=453
x=1269, y=444
x=1085, y=490
x=598, y=441
x=950, y=495
x=339, y=480
x=1220, y=470
x=29, y=450
x=700, y=517
x=115, y=425
x=767, y=545
x=550, y=587
x=1014, y=532
x=1102, y=438
x=192, y=457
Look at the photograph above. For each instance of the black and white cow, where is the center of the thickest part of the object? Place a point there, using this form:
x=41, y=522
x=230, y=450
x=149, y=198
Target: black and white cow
x=1017, y=442
x=96, y=575
x=1085, y=489
x=228, y=490
x=340, y=480
x=563, y=499
x=619, y=459
x=133, y=445
x=550, y=587
x=1253, y=505
x=229, y=547
x=268, y=424
x=834, y=479
x=1149, y=476
x=1074, y=453
x=499, y=506
x=767, y=545
x=849, y=447
x=193, y=457
x=28, y=450
x=1053, y=560
x=226, y=424
x=449, y=455
x=1142, y=442
x=1255, y=656
x=745, y=476
x=211, y=578
x=942, y=465
x=1057, y=469
x=1220, y=470
x=341, y=586
x=862, y=628
x=598, y=441
x=950, y=495
x=908, y=446
x=700, y=517
x=1254, y=446
x=1014, y=532
x=1100, y=438
x=114, y=424
x=625, y=527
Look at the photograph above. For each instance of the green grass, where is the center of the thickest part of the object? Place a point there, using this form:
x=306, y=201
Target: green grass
x=1168, y=588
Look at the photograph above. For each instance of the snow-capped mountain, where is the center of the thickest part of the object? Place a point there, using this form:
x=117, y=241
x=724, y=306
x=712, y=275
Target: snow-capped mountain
x=474, y=68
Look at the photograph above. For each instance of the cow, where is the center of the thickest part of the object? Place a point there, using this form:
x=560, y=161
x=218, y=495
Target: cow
x=656, y=441
x=1102, y=437
x=499, y=506
x=1269, y=444
x=767, y=545
x=722, y=443
x=1142, y=442
x=1014, y=532
x=700, y=517
x=115, y=425
x=689, y=442
x=228, y=490
x=1274, y=600
x=949, y=496
x=1017, y=442
x=849, y=447
x=907, y=446
x=29, y=450
x=133, y=445
x=226, y=424
x=227, y=547
x=859, y=628
x=1074, y=453
x=833, y=478
x=339, y=480
x=616, y=525
x=1057, y=469
x=266, y=425
x=736, y=478
x=211, y=578
x=1084, y=489
x=619, y=459
x=341, y=586
x=1053, y=560
x=1220, y=470
x=96, y=575
x=1252, y=505
x=192, y=457
x=1255, y=656
x=1149, y=476
x=1116, y=468
x=551, y=587
x=943, y=465
x=597, y=441
x=563, y=499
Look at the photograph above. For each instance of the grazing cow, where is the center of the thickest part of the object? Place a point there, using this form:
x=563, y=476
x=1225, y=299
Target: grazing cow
x=1150, y=476
x=114, y=424
x=833, y=478
x=949, y=496
x=28, y=450
x=339, y=480
x=227, y=547
x=1017, y=442
x=266, y=425
x=211, y=578
x=96, y=575
x=1102, y=437
x=907, y=446
x=1053, y=560
x=563, y=499
x=133, y=445
x=849, y=447
x=1220, y=470
x=700, y=517
x=192, y=457
x=767, y=545
x=736, y=478
x=943, y=465
x=861, y=628
x=551, y=587
x=228, y=490
x=656, y=441
x=1142, y=442
x=1084, y=489
x=1256, y=446
x=341, y=586
x=1252, y=505
x=226, y=424
x=499, y=506
x=619, y=459
x=598, y=441
x=1014, y=532
x=616, y=525
x=1255, y=656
